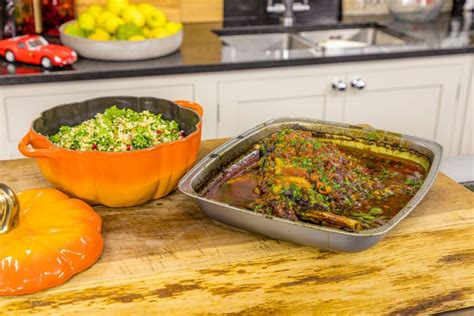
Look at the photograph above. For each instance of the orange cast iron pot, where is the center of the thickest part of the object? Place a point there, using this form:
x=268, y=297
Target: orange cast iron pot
x=115, y=179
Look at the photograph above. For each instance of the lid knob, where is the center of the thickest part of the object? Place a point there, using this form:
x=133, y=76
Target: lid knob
x=9, y=207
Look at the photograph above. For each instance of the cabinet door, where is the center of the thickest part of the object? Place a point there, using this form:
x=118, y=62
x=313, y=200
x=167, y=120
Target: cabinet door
x=419, y=101
x=467, y=141
x=245, y=103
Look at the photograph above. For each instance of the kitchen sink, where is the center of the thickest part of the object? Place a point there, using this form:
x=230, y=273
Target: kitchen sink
x=266, y=42
x=310, y=39
x=366, y=36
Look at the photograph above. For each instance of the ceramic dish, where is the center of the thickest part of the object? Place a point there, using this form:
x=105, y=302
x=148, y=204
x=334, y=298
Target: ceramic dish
x=121, y=50
x=115, y=179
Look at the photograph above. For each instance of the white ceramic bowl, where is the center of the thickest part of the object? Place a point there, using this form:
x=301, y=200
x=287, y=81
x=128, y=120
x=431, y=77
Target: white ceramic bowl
x=121, y=50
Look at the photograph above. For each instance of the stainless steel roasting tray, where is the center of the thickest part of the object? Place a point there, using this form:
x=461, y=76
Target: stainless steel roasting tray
x=425, y=152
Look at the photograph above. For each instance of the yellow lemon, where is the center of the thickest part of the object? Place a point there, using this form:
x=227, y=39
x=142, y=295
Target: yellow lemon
x=137, y=38
x=86, y=21
x=105, y=16
x=159, y=32
x=99, y=35
x=156, y=19
x=146, y=9
x=95, y=10
x=133, y=15
x=132, y=6
x=111, y=25
x=117, y=6
x=147, y=32
x=173, y=27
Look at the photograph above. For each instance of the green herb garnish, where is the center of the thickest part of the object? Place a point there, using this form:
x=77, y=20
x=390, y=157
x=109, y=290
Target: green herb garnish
x=118, y=130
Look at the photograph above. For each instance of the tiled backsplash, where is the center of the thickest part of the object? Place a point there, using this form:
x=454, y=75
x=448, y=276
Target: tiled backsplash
x=367, y=7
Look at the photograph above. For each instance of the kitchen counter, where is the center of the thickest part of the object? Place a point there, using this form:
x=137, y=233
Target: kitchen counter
x=202, y=51
x=167, y=257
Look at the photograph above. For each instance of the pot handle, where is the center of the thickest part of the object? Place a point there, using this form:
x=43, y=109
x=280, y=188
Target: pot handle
x=29, y=139
x=191, y=105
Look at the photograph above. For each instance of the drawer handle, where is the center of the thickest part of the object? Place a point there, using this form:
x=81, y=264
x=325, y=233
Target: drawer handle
x=339, y=84
x=358, y=83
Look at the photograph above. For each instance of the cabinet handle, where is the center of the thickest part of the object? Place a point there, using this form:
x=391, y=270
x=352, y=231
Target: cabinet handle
x=358, y=83
x=339, y=84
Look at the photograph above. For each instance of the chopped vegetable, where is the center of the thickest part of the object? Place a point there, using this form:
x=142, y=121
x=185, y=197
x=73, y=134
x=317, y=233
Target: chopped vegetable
x=118, y=130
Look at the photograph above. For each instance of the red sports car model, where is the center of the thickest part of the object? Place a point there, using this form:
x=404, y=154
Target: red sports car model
x=33, y=49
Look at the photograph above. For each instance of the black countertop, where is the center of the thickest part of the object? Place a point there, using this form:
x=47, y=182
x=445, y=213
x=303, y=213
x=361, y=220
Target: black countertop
x=202, y=51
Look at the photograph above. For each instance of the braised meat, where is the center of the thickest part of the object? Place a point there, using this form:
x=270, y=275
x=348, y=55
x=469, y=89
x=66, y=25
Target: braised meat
x=300, y=177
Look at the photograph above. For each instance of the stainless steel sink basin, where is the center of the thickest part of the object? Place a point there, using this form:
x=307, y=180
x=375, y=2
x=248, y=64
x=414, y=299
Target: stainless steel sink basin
x=367, y=36
x=310, y=40
x=266, y=42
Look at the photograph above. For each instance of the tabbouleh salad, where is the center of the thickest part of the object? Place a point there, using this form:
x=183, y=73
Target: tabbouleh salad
x=118, y=130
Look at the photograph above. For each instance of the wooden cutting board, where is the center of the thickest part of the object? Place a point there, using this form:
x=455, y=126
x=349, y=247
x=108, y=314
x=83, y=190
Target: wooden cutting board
x=167, y=257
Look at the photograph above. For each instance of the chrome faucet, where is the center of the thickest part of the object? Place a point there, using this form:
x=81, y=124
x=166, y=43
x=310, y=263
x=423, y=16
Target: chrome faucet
x=287, y=7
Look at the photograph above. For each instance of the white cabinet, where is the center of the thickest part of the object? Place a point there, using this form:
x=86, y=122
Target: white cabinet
x=409, y=99
x=419, y=97
x=246, y=103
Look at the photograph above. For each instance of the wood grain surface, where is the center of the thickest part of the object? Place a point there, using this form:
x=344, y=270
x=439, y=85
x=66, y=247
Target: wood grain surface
x=167, y=257
x=201, y=11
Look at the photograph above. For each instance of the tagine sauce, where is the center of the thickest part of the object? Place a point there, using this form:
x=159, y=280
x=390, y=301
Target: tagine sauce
x=294, y=175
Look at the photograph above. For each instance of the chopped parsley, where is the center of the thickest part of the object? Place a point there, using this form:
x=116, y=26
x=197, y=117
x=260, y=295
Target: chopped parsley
x=118, y=130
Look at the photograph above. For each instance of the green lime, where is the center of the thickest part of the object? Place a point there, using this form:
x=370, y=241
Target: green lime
x=127, y=30
x=73, y=29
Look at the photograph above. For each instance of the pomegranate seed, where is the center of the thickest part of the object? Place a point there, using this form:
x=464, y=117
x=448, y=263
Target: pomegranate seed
x=129, y=147
x=158, y=131
x=94, y=146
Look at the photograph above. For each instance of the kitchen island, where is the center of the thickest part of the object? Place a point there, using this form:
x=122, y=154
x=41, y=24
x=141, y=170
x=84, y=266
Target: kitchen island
x=167, y=257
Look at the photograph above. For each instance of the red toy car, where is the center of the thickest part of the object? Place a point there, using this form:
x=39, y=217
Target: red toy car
x=33, y=49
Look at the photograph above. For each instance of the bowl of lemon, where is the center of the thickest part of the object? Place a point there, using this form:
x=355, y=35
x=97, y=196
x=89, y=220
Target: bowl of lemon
x=120, y=31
